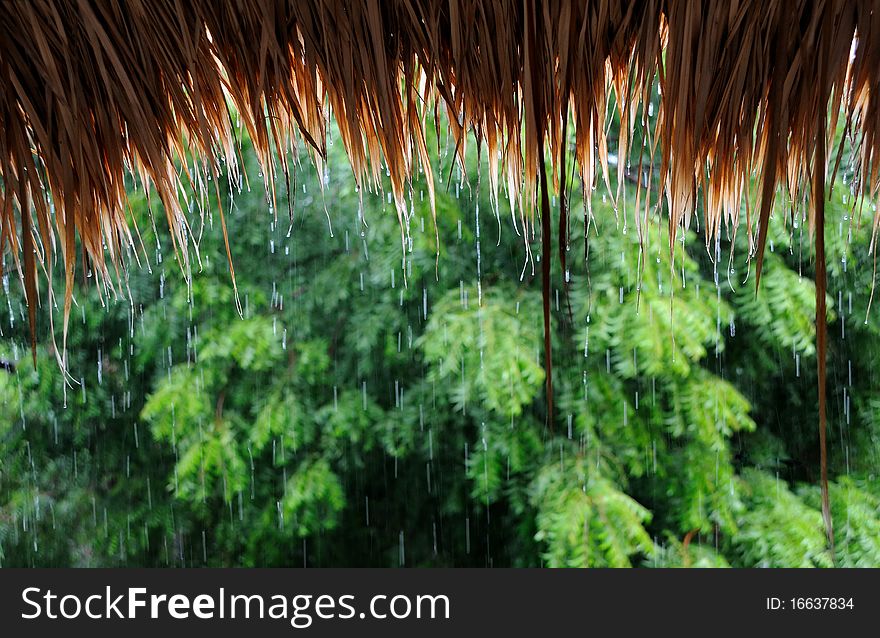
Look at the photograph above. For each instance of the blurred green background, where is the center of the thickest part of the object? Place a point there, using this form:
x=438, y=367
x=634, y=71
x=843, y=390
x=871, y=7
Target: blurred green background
x=375, y=405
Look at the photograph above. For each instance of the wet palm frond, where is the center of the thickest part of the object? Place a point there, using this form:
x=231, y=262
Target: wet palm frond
x=95, y=90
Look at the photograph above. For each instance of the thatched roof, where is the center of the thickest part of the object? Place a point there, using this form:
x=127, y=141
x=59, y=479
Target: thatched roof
x=94, y=89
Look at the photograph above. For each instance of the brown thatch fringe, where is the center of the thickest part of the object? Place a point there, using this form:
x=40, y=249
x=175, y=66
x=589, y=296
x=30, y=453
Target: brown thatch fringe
x=93, y=90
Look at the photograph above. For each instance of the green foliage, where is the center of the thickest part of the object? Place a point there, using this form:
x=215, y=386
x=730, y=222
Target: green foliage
x=777, y=529
x=485, y=349
x=784, y=313
x=676, y=553
x=313, y=499
x=585, y=521
x=856, y=525
x=373, y=404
